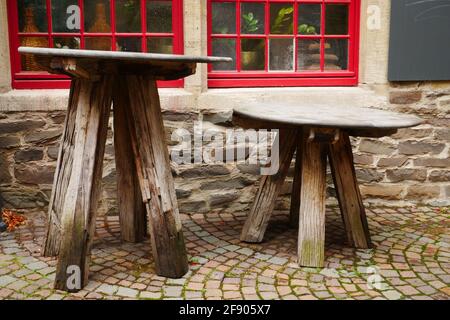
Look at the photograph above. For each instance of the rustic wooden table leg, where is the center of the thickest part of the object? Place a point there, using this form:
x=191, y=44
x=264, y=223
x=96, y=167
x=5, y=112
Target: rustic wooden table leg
x=296, y=185
x=155, y=177
x=349, y=197
x=311, y=233
x=258, y=218
x=133, y=221
x=63, y=168
x=80, y=171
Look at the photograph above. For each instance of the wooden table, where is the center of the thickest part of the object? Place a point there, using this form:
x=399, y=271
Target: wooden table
x=145, y=183
x=315, y=132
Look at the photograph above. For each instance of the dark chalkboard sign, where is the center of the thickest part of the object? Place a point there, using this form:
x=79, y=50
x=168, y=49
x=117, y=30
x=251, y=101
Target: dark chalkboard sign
x=420, y=40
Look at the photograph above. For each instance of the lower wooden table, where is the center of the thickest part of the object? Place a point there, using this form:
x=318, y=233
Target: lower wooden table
x=145, y=183
x=315, y=132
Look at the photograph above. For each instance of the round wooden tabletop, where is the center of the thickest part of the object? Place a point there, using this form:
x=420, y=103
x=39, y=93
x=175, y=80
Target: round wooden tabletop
x=320, y=115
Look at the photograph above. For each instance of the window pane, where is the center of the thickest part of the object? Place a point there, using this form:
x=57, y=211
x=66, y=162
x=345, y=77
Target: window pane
x=253, y=54
x=159, y=16
x=281, y=18
x=132, y=44
x=336, y=57
x=308, y=55
x=252, y=18
x=98, y=43
x=66, y=42
x=32, y=15
x=309, y=18
x=281, y=56
x=223, y=17
x=336, y=19
x=224, y=48
x=96, y=16
x=28, y=61
x=160, y=45
x=65, y=16
x=128, y=16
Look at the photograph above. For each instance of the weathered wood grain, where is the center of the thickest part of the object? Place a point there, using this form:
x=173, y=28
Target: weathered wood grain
x=348, y=194
x=311, y=233
x=296, y=185
x=132, y=211
x=155, y=177
x=79, y=206
x=259, y=216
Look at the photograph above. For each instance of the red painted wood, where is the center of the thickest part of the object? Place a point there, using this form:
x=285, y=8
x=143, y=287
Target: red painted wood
x=239, y=78
x=43, y=80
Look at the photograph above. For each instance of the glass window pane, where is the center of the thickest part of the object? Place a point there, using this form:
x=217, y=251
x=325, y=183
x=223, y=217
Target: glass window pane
x=32, y=15
x=223, y=17
x=28, y=61
x=281, y=54
x=131, y=44
x=98, y=43
x=128, y=15
x=281, y=18
x=336, y=21
x=159, y=16
x=160, y=45
x=66, y=42
x=252, y=18
x=336, y=54
x=308, y=55
x=66, y=16
x=253, y=54
x=309, y=18
x=224, y=48
x=96, y=16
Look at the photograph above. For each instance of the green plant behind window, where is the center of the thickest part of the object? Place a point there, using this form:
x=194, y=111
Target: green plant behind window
x=283, y=23
x=250, y=23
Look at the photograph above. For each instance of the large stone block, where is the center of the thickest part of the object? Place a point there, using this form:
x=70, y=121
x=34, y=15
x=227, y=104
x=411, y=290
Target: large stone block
x=432, y=162
x=422, y=192
x=32, y=174
x=383, y=191
x=376, y=147
x=7, y=142
x=5, y=176
x=439, y=176
x=28, y=155
x=222, y=198
x=399, y=175
x=392, y=162
x=204, y=171
x=43, y=137
x=20, y=125
x=420, y=147
x=405, y=97
x=369, y=175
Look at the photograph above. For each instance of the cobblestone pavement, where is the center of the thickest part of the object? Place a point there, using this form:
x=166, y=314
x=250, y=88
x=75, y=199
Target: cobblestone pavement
x=410, y=260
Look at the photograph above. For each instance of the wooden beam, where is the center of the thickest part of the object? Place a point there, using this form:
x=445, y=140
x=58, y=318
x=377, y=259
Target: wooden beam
x=89, y=112
x=311, y=234
x=259, y=216
x=155, y=177
x=296, y=185
x=132, y=213
x=348, y=194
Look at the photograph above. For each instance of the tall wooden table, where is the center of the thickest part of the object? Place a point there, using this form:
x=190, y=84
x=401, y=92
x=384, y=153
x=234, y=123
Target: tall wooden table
x=315, y=132
x=145, y=183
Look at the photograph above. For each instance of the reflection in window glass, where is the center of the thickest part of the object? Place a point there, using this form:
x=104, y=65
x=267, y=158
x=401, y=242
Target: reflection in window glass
x=159, y=16
x=223, y=17
x=253, y=54
x=96, y=16
x=224, y=48
x=98, y=43
x=309, y=19
x=65, y=16
x=336, y=21
x=29, y=62
x=336, y=54
x=128, y=15
x=281, y=56
x=252, y=18
x=129, y=44
x=32, y=15
x=308, y=55
x=66, y=42
x=281, y=18
x=160, y=45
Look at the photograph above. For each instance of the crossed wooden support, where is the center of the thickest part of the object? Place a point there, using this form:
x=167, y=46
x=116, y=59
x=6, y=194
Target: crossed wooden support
x=312, y=146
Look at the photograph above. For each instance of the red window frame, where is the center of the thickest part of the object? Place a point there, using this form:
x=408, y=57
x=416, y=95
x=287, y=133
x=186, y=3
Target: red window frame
x=221, y=79
x=42, y=80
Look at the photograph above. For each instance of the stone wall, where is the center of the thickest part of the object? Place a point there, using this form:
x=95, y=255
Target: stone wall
x=409, y=168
